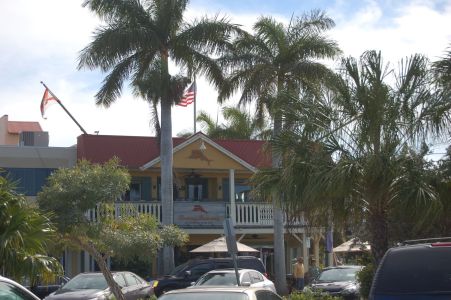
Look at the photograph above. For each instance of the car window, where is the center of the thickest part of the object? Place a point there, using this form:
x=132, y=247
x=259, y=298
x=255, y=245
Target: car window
x=246, y=278
x=86, y=281
x=338, y=274
x=251, y=263
x=9, y=291
x=415, y=270
x=120, y=280
x=228, y=279
x=179, y=268
x=139, y=279
x=266, y=295
x=256, y=277
x=201, y=269
x=224, y=265
x=131, y=280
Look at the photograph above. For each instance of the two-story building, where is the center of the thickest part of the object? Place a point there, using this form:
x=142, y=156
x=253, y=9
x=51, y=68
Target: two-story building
x=211, y=183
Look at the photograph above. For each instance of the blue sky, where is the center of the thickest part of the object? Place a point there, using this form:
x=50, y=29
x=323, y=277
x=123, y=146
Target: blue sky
x=40, y=40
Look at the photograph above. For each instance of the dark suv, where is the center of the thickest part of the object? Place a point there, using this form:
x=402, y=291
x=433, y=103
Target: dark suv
x=414, y=271
x=183, y=275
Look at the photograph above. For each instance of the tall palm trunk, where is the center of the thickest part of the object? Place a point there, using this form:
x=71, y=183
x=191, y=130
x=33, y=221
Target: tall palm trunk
x=167, y=200
x=279, y=242
x=379, y=234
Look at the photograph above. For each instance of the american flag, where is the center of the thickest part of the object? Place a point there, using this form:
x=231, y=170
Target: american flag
x=189, y=96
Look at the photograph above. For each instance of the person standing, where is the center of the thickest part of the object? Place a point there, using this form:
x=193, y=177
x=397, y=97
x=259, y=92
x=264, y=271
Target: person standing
x=298, y=274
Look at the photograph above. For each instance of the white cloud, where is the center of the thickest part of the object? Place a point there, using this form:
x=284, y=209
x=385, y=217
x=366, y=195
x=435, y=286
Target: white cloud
x=415, y=28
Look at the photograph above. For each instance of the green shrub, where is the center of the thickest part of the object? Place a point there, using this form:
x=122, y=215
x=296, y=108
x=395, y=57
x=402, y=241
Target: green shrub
x=310, y=295
x=365, y=278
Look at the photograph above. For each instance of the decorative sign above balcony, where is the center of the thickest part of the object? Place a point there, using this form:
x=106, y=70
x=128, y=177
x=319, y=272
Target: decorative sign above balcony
x=199, y=154
x=198, y=214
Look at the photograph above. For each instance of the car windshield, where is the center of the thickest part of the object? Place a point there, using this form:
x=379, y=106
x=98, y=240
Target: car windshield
x=86, y=281
x=206, y=295
x=338, y=274
x=178, y=269
x=217, y=279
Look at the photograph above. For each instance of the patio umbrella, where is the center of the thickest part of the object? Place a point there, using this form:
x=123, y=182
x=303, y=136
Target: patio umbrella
x=353, y=245
x=220, y=245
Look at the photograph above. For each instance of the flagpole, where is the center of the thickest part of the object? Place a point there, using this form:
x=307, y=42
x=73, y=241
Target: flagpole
x=194, y=107
x=59, y=102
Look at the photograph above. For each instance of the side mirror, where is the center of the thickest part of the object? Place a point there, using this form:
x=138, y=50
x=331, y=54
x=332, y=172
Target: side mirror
x=187, y=273
x=192, y=283
x=245, y=283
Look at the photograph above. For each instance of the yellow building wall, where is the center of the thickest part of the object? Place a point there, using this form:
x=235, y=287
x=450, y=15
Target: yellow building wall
x=191, y=157
x=211, y=164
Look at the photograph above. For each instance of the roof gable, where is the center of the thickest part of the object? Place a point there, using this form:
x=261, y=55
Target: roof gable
x=199, y=151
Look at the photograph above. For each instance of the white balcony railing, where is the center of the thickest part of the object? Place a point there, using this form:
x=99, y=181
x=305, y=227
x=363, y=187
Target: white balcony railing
x=246, y=214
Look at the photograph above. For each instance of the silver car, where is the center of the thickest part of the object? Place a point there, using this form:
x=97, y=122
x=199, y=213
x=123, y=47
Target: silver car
x=227, y=277
x=221, y=293
x=93, y=286
x=11, y=290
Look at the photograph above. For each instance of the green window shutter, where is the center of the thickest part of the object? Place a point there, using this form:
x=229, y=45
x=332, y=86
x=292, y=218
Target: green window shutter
x=146, y=183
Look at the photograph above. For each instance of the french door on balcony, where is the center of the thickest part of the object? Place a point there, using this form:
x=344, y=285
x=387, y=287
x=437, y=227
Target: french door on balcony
x=197, y=190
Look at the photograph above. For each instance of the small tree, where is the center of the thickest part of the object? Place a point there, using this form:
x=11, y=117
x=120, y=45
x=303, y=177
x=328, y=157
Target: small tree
x=126, y=234
x=25, y=234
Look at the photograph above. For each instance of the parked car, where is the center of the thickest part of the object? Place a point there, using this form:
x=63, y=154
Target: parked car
x=11, y=290
x=93, y=286
x=417, y=270
x=338, y=281
x=42, y=290
x=183, y=275
x=221, y=293
x=227, y=277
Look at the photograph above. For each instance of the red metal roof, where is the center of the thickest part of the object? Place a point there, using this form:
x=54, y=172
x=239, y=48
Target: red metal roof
x=135, y=151
x=251, y=151
x=19, y=126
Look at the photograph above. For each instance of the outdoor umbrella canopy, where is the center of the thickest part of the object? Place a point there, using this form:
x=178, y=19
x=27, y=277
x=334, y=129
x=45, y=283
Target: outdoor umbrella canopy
x=220, y=245
x=353, y=245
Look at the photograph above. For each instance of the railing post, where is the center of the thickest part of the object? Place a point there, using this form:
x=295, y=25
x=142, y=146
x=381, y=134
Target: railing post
x=232, y=195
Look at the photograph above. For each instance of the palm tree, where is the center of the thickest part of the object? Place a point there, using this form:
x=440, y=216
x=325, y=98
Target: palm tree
x=239, y=125
x=382, y=123
x=140, y=36
x=25, y=234
x=442, y=69
x=275, y=59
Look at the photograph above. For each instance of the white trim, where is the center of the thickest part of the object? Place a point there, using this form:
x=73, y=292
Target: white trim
x=203, y=137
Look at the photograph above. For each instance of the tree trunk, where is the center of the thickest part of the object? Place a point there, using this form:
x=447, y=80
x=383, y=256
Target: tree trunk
x=166, y=180
x=279, y=241
x=379, y=234
x=166, y=148
x=101, y=262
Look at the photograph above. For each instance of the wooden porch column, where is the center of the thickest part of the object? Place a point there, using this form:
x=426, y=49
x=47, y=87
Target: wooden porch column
x=305, y=250
x=232, y=195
